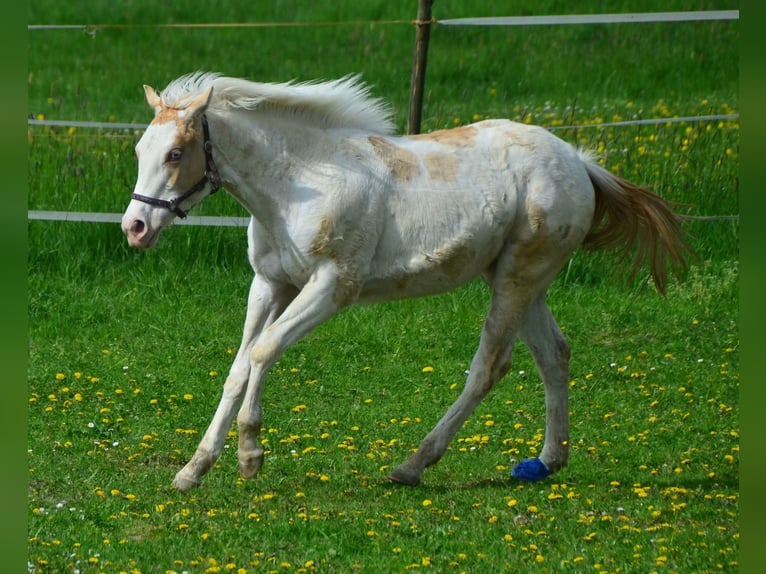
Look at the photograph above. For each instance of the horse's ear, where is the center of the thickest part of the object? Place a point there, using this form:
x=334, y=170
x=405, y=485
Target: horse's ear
x=199, y=104
x=153, y=99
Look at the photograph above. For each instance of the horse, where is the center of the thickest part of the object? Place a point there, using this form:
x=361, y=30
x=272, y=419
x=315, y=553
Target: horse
x=345, y=212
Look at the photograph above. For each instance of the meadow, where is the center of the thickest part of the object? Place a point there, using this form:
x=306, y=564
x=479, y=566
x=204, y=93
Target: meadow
x=128, y=350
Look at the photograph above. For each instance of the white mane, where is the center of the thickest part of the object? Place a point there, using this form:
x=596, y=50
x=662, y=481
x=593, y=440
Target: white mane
x=342, y=103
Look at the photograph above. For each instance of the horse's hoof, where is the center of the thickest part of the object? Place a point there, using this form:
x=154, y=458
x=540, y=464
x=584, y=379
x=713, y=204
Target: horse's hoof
x=404, y=476
x=250, y=465
x=184, y=483
x=532, y=469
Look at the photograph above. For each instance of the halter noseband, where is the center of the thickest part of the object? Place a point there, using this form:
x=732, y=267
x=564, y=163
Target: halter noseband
x=210, y=176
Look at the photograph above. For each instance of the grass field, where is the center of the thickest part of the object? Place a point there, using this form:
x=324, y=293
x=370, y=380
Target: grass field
x=128, y=350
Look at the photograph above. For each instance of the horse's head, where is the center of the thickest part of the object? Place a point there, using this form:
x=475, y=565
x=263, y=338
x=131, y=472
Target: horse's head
x=175, y=164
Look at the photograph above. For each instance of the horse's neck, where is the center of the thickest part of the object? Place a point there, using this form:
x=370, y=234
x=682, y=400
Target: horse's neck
x=263, y=158
x=250, y=153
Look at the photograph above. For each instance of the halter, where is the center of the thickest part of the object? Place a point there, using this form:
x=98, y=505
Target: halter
x=210, y=176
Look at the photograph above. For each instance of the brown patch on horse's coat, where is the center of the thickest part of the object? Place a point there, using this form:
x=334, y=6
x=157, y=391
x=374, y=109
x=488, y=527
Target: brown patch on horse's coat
x=452, y=259
x=328, y=243
x=402, y=163
x=181, y=175
x=536, y=217
x=186, y=130
x=321, y=245
x=441, y=166
x=456, y=137
x=166, y=115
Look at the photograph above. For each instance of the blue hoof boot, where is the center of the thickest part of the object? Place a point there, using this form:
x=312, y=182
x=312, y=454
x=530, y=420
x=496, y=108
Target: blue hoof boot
x=532, y=469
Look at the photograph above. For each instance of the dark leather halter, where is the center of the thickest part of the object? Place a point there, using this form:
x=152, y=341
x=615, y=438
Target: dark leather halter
x=210, y=176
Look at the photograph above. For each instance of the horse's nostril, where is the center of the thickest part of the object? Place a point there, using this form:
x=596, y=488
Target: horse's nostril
x=138, y=227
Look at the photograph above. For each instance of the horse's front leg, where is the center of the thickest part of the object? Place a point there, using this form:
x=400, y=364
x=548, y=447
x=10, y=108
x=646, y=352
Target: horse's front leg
x=265, y=303
x=317, y=301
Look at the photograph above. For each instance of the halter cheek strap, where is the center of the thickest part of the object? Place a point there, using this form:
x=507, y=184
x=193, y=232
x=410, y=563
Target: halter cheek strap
x=210, y=176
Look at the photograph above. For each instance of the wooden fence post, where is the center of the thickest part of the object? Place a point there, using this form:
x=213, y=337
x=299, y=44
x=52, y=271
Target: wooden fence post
x=417, y=83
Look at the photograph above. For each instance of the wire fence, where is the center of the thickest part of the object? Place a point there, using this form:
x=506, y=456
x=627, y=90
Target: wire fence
x=555, y=20
x=623, y=123
x=421, y=22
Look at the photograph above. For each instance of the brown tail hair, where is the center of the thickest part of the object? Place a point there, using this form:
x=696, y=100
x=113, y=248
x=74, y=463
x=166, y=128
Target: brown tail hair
x=628, y=216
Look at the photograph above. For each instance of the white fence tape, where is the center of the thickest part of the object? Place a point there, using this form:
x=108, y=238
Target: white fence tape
x=648, y=122
x=90, y=217
x=643, y=17
x=559, y=20
x=78, y=124
x=638, y=122
x=212, y=221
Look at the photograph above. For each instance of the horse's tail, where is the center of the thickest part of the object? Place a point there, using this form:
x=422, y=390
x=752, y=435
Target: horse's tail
x=628, y=216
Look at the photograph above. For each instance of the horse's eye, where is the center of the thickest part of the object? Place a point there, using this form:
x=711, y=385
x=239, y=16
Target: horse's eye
x=174, y=154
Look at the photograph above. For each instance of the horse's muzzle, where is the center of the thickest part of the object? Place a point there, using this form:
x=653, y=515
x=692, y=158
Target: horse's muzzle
x=139, y=234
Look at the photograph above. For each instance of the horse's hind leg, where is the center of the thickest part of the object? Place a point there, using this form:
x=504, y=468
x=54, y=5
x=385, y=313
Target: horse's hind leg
x=491, y=361
x=550, y=351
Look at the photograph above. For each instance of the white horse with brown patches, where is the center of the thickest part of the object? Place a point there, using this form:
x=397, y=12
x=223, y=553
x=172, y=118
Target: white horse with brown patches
x=344, y=212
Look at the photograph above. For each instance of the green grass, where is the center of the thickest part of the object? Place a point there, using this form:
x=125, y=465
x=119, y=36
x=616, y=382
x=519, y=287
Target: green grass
x=654, y=415
x=128, y=349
